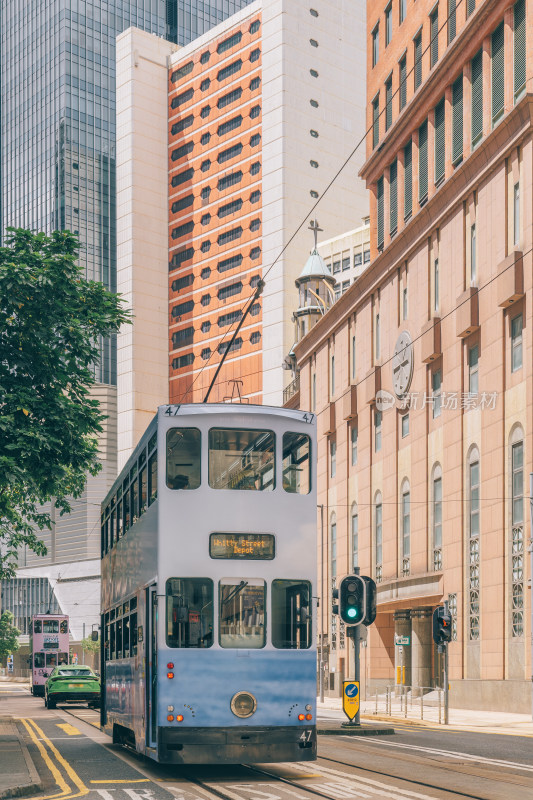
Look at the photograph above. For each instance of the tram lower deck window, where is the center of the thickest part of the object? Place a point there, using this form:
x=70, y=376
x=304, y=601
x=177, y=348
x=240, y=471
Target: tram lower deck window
x=241, y=459
x=242, y=613
x=189, y=612
x=38, y=660
x=291, y=614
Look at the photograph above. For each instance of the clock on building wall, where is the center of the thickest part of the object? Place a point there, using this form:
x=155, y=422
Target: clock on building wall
x=402, y=364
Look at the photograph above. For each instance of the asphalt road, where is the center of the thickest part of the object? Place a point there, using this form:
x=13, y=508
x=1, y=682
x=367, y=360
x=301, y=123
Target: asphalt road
x=77, y=760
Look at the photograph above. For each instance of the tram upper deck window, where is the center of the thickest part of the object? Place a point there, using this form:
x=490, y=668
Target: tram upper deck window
x=189, y=612
x=241, y=459
x=50, y=626
x=38, y=626
x=291, y=614
x=184, y=447
x=63, y=626
x=296, y=463
x=242, y=613
x=38, y=660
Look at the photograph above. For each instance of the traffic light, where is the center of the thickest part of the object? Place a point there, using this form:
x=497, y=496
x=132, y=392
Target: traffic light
x=442, y=625
x=370, y=613
x=352, y=600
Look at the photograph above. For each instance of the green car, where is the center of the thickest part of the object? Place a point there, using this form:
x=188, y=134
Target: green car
x=72, y=684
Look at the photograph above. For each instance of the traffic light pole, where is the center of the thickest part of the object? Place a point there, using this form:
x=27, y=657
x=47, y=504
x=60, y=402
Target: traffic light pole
x=354, y=633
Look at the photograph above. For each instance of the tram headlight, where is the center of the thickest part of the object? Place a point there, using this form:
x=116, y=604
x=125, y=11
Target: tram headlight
x=243, y=704
x=309, y=707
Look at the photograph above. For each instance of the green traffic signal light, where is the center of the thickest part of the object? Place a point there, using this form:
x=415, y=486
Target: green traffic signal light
x=352, y=598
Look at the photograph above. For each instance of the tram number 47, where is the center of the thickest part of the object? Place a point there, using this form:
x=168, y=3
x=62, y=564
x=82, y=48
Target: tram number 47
x=172, y=411
x=308, y=418
x=305, y=738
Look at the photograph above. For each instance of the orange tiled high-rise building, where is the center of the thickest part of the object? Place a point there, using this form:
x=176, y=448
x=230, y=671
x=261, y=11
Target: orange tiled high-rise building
x=425, y=432
x=215, y=212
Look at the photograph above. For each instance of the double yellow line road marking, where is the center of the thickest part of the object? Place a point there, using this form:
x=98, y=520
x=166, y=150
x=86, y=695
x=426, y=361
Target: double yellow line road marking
x=68, y=781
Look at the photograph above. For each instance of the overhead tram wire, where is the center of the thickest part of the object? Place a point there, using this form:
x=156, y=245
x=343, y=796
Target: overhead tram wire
x=316, y=204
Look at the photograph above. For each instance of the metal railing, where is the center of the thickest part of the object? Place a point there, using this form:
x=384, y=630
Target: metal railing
x=409, y=702
x=291, y=389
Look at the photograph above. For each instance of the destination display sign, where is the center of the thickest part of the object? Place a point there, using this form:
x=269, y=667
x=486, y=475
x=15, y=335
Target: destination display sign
x=258, y=546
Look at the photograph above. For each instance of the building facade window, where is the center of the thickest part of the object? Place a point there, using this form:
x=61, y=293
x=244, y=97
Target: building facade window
x=473, y=551
x=519, y=13
x=498, y=73
x=378, y=337
x=423, y=163
x=452, y=20
x=332, y=363
x=408, y=181
x=388, y=103
x=473, y=369
x=333, y=547
x=378, y=537
x=436, y=286
x=516, y=343
x=517, y=539
x=457, y=121
x=354, y=434
x=434, y=33
x=440, y=143
x=437, y=520
x=403, y=82
x=375, y=46
x=405, y=425
x=516, y=214
x=388, y=24
x=477, y=98
x=375, y=121
x=402, y=10
x=405, y=307
x=380, y=202
x=332, y=458
x=436, y=387
x=377, y=430
x=406, y=529
x=473, y=255
x=417, y=43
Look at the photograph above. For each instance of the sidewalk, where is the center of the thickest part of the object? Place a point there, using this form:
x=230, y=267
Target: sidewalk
x=18, y=776
x=459, y=719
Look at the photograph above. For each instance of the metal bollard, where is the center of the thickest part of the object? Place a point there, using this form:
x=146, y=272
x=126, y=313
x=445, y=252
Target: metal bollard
x=406, y=699
x=422, y=704
x=376, y=711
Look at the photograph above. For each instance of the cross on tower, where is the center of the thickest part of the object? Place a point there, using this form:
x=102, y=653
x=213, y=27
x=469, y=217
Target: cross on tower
x=313, y=226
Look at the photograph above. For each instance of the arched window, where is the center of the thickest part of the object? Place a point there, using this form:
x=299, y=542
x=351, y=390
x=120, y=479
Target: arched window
x=516, y=538
x=406, y=527
x=436, y=516
x=355, y=535
x=333, y=547
x=473, y=528
x=378, y=536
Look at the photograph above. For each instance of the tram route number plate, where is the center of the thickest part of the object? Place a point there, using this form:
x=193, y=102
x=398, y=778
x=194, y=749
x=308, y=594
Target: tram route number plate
x=242, y=545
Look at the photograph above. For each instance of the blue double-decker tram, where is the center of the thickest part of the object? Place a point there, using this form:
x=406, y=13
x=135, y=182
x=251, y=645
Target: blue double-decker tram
x=208, y=576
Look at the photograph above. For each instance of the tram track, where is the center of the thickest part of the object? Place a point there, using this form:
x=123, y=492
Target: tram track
x=376, y=785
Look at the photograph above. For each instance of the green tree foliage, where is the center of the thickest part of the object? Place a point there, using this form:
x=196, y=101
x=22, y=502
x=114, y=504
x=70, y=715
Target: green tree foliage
x=8, y=636
x=51, y=321
x=90, y=646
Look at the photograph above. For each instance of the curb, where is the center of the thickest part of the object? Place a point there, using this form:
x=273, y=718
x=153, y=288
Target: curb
x=355, y=731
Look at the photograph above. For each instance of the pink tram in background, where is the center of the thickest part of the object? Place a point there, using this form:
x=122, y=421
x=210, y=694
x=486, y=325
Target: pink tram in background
x=49, y=645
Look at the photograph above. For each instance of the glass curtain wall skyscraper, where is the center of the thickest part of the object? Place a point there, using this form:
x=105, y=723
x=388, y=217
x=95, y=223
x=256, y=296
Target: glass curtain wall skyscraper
x=57, y=112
